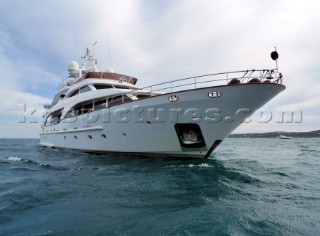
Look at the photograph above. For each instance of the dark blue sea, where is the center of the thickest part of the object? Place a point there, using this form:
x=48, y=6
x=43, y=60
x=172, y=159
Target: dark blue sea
x=247, y=187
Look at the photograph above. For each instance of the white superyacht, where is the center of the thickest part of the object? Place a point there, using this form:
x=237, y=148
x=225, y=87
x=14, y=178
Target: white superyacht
x=105, y=112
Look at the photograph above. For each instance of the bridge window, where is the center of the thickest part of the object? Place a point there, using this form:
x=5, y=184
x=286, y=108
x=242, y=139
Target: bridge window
x=102, y=86
x=54, y=118
x=85, y=89
x=87, y=108
x=98, y=105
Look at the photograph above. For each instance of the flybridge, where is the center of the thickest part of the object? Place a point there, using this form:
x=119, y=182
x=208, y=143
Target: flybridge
x=89, y=70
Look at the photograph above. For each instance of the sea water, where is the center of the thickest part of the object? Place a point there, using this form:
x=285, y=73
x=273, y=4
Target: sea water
x=248, y=186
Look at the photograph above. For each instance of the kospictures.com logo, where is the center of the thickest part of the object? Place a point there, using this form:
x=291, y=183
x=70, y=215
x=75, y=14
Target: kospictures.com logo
x=137, y=114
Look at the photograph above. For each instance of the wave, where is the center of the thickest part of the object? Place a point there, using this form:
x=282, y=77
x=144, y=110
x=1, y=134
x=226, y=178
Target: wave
x=203, y=165
x=14, y=159
x=31, y=162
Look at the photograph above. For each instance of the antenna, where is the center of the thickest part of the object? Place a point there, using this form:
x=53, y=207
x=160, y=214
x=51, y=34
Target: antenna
x=75, y=42
x=108, y=44
x=93, y=49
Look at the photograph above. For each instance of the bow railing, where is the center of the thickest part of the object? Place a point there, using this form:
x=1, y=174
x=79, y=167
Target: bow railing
x=208, y=80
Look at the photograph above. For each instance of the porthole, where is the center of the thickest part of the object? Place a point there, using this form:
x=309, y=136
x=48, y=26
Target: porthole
x=89, y=137
x=65, y=137
x=75, y=137
x=103, y=136
x=173, y=98
x=214, y=94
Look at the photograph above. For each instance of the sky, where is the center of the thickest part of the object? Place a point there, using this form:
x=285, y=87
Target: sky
x=158, y=41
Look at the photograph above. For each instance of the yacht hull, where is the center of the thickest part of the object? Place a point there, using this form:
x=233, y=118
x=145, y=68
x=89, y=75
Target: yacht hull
x=184, y=124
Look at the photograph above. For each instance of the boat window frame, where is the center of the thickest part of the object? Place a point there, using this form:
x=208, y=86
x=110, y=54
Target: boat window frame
x=80, y=90
x=85, y=89
x=87, y=108
x=57, y=97
x=97, y=107
x=109, y=101
x=118, y=99
x=110, y=86
x=73, y=93
x=118, y=86
x=53, y=118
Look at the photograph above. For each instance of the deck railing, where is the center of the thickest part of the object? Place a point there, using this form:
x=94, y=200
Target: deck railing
x=208, y=80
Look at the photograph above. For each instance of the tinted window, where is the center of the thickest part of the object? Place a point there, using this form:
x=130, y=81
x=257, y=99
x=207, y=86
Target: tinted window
x=102, y=86
x=142, y=96
x=57, y=97
x=71, y=113
x=87, y=108
x=85, y=89
x=117, y=100
x=74, y=93
x=54, y=118
x=78, y=110
x=98, y=105
x=122, y=87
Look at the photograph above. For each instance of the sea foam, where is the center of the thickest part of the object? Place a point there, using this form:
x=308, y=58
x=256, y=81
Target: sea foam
x=205, y=165
x=14, y=159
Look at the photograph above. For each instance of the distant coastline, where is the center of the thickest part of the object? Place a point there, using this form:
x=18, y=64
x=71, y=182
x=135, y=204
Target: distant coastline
x=275, y=134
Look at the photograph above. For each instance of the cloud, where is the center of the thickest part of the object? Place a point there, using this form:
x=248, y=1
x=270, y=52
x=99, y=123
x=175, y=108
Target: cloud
x=303, y=105
x=13, y=101
x=158, y=41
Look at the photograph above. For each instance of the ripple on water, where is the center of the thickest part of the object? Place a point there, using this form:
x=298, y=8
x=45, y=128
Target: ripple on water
x=247, y=187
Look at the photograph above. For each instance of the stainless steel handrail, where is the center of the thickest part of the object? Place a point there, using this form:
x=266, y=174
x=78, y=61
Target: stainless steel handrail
x=198, y=82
